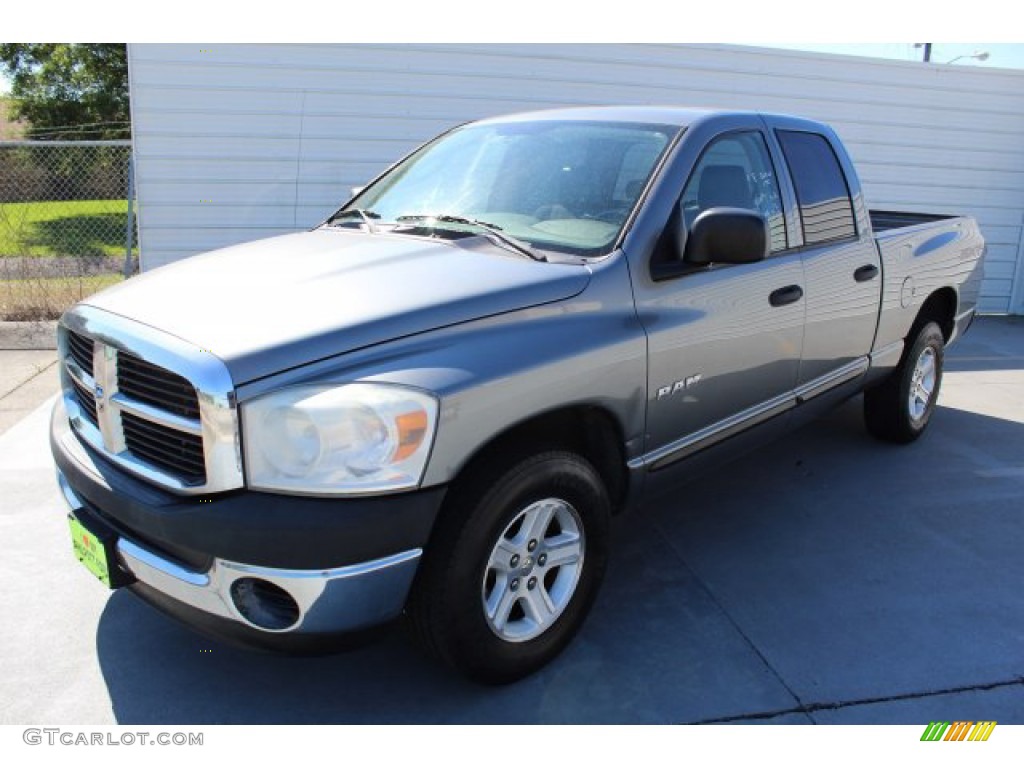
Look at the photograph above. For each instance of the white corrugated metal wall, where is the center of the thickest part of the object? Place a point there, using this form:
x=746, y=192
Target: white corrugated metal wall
x=236, y=142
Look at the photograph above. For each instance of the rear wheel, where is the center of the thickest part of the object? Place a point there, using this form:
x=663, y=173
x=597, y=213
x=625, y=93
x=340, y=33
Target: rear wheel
x=514, y=567
x=899, y=409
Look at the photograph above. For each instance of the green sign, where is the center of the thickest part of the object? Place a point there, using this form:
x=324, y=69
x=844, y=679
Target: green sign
x=89, y=550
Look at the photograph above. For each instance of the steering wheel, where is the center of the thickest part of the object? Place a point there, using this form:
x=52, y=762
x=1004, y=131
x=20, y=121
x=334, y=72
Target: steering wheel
x=610, y=215
x=553, y=211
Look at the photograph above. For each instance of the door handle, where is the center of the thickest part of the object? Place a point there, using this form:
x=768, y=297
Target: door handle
x=787, y=295
x=865, y=273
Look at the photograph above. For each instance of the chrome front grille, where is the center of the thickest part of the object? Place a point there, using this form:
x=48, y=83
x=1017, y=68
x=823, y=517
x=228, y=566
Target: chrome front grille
x=81, y=350
x=126, y=397
x=154, y=386
x=86, y=401
x=177, y=452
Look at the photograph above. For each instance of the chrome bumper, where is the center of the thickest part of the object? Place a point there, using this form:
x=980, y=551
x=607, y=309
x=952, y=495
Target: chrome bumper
x=342, y=599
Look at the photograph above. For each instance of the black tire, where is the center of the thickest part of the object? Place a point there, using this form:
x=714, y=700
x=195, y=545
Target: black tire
x=889, y=413
x=447, y=609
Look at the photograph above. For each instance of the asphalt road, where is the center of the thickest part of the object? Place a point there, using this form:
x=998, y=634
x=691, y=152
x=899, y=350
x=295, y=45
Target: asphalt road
x=828, y=579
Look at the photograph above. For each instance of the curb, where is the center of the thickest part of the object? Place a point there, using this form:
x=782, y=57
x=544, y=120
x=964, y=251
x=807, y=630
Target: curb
x=28, y=335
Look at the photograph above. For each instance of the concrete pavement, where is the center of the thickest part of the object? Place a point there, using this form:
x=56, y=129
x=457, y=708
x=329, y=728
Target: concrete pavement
x=28, y=372
x=828, y=579
x=27, y=378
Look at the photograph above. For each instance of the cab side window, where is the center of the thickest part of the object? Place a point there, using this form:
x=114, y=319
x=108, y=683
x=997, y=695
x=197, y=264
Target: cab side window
x=736, y=171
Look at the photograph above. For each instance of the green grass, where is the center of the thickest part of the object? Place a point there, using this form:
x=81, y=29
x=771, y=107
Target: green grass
x=45, y=298
x=76, y=228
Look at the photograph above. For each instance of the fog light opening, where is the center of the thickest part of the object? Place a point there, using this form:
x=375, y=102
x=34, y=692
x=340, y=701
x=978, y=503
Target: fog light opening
x=264, y=604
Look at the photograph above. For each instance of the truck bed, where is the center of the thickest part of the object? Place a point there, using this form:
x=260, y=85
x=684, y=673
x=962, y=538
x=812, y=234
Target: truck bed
x=921, y=253
x=882, y=221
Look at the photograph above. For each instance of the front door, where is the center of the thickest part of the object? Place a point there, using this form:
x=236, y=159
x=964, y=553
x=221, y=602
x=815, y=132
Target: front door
x=725, y=341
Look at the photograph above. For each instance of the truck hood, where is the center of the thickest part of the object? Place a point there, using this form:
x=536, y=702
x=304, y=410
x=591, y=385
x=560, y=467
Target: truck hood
x=270, y=305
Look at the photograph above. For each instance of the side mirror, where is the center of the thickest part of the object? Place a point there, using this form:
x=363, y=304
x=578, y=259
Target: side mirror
x=356, y=190
x=726, y=236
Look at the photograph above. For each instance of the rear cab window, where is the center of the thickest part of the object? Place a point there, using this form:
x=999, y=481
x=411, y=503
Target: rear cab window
x=822, y=192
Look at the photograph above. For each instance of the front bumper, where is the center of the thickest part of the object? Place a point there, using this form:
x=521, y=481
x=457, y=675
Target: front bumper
x=317, y=568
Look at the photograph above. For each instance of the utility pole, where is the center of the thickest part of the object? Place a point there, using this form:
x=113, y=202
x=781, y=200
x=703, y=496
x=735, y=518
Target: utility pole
x=927, y=50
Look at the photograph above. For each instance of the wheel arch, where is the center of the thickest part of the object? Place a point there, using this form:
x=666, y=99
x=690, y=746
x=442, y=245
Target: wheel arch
x=589, y=430
x=940, y=307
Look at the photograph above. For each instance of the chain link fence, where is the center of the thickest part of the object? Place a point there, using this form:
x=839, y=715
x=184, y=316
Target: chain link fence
x=67, y=224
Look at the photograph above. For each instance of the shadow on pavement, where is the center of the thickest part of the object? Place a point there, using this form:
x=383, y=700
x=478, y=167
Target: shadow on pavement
x=862, y=570
x=629, y=665
x=639, y=659
x=854, y=570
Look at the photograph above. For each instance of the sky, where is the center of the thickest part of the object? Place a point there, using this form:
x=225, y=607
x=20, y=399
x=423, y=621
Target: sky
x=1006, y=55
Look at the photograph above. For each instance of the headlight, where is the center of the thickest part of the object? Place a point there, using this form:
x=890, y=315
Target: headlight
x=349, y=439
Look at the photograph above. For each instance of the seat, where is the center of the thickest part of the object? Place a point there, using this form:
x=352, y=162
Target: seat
x=634, y=188
x=724, y=185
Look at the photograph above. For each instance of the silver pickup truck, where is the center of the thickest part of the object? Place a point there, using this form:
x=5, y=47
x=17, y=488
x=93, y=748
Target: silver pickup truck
x=433, y=403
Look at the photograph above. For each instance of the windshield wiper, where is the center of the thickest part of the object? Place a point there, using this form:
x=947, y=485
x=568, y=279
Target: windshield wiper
x=365, y=215
x=492, y=229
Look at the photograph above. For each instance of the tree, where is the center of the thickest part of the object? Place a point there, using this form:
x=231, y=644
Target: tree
x=69, y=90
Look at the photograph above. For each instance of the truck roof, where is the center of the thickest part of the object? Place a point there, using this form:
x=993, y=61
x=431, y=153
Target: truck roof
x=663, y=115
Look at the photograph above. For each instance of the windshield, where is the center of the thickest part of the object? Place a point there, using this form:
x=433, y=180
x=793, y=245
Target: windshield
x=559, y=185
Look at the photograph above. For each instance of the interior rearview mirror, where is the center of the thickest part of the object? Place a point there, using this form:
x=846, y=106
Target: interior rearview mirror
x=726, y=236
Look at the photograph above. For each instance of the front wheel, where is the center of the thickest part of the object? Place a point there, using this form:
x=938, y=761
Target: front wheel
x=899, y=409
x=514, y=567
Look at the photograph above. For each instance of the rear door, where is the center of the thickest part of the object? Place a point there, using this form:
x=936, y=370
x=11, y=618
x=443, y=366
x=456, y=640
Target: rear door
x=842, y=267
